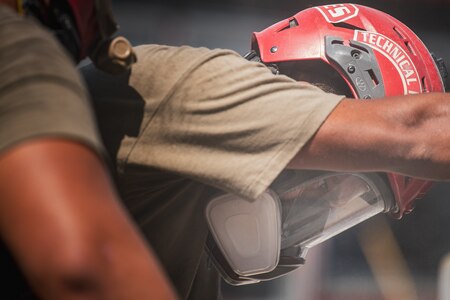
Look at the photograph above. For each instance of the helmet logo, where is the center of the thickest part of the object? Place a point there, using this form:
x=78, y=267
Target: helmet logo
x=396, y=55
x=337, y=13
x=361, y=84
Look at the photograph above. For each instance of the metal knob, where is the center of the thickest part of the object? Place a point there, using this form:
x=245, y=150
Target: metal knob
x=114, y=56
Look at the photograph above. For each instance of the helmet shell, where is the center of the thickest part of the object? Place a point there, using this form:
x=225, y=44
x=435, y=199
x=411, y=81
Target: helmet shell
x=406, y=65
x=398, y=62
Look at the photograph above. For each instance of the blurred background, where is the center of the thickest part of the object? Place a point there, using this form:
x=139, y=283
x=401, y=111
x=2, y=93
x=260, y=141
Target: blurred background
x=379, y=259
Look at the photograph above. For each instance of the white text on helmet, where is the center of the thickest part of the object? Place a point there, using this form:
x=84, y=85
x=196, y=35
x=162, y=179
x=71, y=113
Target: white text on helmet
x=396, y=55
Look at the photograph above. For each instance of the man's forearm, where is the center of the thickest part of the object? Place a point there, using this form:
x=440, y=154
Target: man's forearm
x=57, y=199
x=406, y=134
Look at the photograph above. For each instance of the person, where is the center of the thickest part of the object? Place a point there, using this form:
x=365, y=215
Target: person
x=193, y=129
x=60, y=216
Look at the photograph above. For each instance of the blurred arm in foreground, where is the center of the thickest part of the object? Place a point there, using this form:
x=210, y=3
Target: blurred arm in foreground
x=59, y=211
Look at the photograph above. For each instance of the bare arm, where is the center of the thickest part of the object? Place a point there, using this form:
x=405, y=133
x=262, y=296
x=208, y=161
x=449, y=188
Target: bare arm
x=407, y=134
x=60, y=216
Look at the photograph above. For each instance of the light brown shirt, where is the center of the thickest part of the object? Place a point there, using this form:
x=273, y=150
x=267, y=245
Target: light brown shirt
x=189, y=122
x=41, y=93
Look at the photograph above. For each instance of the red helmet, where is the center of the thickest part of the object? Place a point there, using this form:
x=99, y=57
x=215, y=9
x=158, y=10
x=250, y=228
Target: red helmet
x=368, y=52
x=357, y=51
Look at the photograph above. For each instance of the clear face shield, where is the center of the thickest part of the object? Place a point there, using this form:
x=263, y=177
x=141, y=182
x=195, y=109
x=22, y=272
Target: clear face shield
x=263, y=239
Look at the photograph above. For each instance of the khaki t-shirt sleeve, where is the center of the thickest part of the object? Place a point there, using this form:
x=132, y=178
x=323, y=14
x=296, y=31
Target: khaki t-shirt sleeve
x=41, y=93
x=225, y=121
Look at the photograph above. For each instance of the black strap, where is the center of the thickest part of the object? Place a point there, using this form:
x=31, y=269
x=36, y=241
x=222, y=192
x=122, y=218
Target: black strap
x=254, y=56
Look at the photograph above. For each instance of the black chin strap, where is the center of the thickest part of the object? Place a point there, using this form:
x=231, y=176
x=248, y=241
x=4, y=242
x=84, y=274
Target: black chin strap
x=442, y=69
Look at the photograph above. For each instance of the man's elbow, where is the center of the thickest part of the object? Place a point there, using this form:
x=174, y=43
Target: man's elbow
x=72, y=271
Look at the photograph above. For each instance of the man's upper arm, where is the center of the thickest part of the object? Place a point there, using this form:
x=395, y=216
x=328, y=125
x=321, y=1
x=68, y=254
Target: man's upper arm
x=41, y=93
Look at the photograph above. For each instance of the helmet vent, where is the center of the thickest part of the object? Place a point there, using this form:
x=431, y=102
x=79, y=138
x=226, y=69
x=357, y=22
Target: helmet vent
x=292, y=23
x=405, y=40
x=408, y=46
x=348, y=26
x=397, y=31
x=424, y=86
x=374, y=78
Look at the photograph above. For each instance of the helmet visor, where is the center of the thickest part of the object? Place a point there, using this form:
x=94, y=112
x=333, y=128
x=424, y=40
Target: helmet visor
x=320, y=208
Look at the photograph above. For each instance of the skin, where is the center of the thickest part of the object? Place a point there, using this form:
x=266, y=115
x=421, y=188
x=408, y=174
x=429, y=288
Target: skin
x=405, y=134
x=58, y=200
x=10, y=3
x=61, y=219
x=84, y=245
